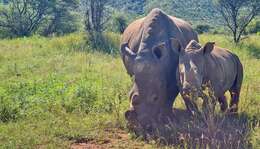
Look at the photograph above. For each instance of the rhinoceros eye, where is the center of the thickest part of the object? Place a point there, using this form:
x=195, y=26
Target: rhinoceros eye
x=154, y=98
x=157, y=52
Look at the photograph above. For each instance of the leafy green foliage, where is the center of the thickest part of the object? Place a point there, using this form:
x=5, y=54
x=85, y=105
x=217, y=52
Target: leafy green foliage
x=22, y=18
x=135, y=7
x=62, y=18
x=254, y=26
x=120, y=24
x=193, y=11
x=202, y=29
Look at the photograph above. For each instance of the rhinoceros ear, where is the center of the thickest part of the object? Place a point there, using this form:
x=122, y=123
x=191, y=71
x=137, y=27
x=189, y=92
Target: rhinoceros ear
x=208, y=47
x=128, y=57
x=175, y=45
x=158, y=50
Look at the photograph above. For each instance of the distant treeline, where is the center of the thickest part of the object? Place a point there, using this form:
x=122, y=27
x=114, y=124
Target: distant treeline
x=19, y=18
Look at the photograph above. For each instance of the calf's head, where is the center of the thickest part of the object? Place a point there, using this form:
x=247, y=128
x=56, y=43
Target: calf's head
x=154, y=86
x=192, y=66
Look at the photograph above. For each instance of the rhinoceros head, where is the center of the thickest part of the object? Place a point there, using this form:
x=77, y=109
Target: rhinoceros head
x=153, y=71
x=191, y=66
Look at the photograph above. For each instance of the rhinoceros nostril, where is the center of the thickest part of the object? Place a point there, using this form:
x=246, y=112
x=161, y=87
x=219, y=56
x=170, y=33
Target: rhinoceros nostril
x=135, y=101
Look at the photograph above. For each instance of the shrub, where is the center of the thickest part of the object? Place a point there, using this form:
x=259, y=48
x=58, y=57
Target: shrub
x=23, y=18
x=104, y=42
x=119, y=24
x=9, y=110
x=66, y=24
x=62, y=18
x=4, y=33
x=202, y=28
x=253, y=27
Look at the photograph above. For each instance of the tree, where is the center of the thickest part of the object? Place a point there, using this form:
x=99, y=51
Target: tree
x=96, y=16
x=238, y=14
x=23, y=17
x=62, y=18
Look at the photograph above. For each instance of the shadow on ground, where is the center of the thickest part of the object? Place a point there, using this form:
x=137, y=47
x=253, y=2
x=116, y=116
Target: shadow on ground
x=221, y=131
x=186, y=131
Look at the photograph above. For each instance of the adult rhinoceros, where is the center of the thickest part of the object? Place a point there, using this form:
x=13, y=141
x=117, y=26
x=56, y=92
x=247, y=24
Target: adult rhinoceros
x=150, y=56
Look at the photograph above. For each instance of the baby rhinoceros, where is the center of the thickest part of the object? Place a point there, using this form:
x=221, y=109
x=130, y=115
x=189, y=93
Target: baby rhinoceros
x=199, y=65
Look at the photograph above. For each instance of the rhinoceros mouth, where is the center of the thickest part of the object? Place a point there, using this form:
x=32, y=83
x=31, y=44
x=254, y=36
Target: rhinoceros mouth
x=134, y=121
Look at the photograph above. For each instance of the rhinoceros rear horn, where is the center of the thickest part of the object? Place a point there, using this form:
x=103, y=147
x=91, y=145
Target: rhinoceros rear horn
x=128, y=57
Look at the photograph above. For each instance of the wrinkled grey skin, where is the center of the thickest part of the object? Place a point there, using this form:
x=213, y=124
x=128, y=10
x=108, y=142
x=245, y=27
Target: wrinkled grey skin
x=150, y=56
x=220, y=67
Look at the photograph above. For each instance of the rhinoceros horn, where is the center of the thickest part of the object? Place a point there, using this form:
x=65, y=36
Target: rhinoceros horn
x=128, y=57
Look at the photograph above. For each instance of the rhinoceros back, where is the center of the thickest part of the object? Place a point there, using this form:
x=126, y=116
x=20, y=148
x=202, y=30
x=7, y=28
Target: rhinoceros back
x=157, y=27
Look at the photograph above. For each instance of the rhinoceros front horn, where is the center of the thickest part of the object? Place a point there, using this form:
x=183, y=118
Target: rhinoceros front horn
x=128, y=57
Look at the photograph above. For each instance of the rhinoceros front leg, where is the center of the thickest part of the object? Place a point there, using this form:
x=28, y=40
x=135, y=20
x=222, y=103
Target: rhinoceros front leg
x=190, y=105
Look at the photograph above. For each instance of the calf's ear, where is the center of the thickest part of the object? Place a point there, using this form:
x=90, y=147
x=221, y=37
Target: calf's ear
x=175, y=45
x=208, y=47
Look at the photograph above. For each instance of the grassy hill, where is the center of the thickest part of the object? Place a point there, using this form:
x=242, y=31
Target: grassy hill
x=195, y=11
x=58, y=91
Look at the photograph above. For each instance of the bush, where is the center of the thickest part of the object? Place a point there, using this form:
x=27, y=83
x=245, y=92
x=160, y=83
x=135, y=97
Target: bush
x=219, y=30
x=105, y=42
x=62, y=19
x=23, y=18
x=119, y=24
x=253, y=27
x=9, y=110
x=66, y=24
x=4, y=33
x=202, y=28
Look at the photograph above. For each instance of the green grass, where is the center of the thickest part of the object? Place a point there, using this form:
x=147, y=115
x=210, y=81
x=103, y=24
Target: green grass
x=54, y=91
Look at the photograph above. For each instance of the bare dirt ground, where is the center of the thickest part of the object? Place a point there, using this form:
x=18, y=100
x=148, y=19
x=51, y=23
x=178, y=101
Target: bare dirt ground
x=115, y=138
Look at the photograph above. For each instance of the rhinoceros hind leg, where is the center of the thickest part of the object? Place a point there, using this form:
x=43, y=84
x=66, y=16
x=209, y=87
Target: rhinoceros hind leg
x=234, y=100
x=236, y=88
x=223, y=103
